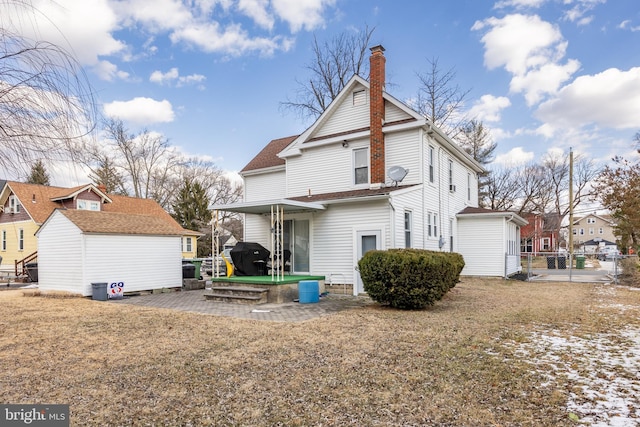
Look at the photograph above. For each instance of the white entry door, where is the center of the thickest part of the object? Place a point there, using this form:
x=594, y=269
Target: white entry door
x=366, y=240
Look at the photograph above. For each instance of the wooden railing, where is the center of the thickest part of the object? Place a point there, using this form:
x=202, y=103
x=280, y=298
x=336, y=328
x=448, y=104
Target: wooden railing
x=20, y=265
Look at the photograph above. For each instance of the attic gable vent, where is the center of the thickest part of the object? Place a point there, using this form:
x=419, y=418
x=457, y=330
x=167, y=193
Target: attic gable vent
x=359, y=97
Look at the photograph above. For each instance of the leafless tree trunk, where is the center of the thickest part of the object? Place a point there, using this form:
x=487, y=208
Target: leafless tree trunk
x=440, y=100
x=46, y=104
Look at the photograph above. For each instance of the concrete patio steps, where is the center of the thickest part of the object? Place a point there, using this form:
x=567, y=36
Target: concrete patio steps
x=238, y=295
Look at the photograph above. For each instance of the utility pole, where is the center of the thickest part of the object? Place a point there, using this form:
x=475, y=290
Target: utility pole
x=570, y=207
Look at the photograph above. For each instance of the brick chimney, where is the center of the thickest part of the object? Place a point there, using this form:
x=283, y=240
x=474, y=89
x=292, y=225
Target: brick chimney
x=376, y=113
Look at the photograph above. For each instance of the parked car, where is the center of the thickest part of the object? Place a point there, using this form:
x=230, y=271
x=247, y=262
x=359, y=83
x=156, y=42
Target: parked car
x=608, y=253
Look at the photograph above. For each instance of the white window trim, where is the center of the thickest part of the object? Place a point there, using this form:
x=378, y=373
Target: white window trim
x=408, y=229
x=353, y=167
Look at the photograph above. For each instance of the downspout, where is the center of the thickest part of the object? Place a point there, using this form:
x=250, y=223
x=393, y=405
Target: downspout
x=424, y=188
x=440, y=239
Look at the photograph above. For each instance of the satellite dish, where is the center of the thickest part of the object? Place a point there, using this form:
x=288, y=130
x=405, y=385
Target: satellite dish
x=397, y=173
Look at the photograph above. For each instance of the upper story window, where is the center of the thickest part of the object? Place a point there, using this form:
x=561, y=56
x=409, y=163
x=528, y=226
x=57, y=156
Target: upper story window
x=14, y=204
x=468, y=187
x=361, y=166
x=591, y=220
x=431, y=163
x=359, y=97
x=87, y=205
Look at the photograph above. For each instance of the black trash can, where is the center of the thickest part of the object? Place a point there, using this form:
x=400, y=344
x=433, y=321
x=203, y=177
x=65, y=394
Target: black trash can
x=551, y=262
x=562, y=262
x=188, y=270
x=32, y=271
x=99, y=291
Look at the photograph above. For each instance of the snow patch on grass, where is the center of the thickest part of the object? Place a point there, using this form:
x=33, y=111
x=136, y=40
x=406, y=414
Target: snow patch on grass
x=600, y=372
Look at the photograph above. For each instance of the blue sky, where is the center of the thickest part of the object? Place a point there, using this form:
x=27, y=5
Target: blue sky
x=210, y=74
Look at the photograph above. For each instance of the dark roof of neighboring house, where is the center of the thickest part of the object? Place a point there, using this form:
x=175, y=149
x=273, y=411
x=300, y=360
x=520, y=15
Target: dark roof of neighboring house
x=351, y=194
x=594, y=242
x=120, y=223
x=473, y=210
x=268, y=157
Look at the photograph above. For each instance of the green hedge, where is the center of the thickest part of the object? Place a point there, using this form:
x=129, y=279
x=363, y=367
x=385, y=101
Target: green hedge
x=409, y=278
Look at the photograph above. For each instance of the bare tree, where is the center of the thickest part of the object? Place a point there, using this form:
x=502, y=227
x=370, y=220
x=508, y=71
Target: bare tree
x=502, y=190
x=476, y=140
x=333, y=64
x=440, y=99
x=46, y=104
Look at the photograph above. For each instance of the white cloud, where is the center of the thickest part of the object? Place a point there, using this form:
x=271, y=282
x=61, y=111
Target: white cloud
x=233, y=39
x=489, y=107
x=302, y=14
x=83, y=26
x=531, y=50
x=519, y=4
x=609, y=99
x=108, y=71
x=160, y=77
x=626, y=24
x=257, y=10
x=141, y=111
x=515, y=157
x=543, y=81
x=580, y=9
x=173, y=77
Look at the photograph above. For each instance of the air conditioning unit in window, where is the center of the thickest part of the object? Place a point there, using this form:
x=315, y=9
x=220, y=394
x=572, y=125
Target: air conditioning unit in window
x=12, y=210
x=452, y=188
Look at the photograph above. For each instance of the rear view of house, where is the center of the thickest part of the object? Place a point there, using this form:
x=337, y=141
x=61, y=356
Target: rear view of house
x=370, y=173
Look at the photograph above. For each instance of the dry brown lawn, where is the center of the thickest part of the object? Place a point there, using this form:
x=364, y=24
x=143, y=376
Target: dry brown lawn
x=456, y=363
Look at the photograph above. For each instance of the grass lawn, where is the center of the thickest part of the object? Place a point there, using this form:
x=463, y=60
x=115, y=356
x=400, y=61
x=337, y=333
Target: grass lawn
x=479, y=357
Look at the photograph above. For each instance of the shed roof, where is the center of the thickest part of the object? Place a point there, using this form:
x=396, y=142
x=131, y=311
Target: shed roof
x=119, y=223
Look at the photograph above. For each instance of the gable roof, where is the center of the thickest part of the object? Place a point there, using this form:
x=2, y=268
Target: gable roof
x=275, y=153
x=96, y=222
x=39, y=201
x=268, y=156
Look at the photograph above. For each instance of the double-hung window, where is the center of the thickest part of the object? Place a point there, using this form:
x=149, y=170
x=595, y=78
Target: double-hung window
x=431, y=163
x=361, y=166
x=407, y=229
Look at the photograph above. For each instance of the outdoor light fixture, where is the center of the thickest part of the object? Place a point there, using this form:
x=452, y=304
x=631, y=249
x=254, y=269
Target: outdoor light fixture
x=345, y=144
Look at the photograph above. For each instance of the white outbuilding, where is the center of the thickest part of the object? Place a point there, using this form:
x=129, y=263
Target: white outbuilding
x=489, y=241
x=79, y=247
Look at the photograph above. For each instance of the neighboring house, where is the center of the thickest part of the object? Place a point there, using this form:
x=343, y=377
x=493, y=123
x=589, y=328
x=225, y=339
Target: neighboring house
x=79, y=247
x=327, y=196
x=541, y=234
x=592, y=227
x=25, y=207
x=595, y=246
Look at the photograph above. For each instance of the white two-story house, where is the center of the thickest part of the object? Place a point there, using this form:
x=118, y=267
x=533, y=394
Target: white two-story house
x=372, y=173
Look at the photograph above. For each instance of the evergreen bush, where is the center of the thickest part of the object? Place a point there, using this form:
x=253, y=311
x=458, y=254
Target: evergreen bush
x=409, y=278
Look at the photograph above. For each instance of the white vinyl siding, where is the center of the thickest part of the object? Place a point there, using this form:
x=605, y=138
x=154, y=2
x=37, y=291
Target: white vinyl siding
x=403, y=149
x=346, y=116
x=265, y=186
x=323, y=169
x=333, y=247
x=483, y=241
x=393, y=113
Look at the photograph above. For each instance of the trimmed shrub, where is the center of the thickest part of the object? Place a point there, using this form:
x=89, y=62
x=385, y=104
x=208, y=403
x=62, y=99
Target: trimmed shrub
x=409, y=278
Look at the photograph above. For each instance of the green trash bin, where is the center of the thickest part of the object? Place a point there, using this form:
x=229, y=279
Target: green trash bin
x=580, y=261
x=198, y=263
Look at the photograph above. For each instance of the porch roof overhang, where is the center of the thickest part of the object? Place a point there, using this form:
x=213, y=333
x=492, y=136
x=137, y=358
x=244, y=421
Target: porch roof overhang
x=265, y=206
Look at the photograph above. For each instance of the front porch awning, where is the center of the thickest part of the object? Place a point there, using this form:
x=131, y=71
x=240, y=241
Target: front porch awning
x=266, y=206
